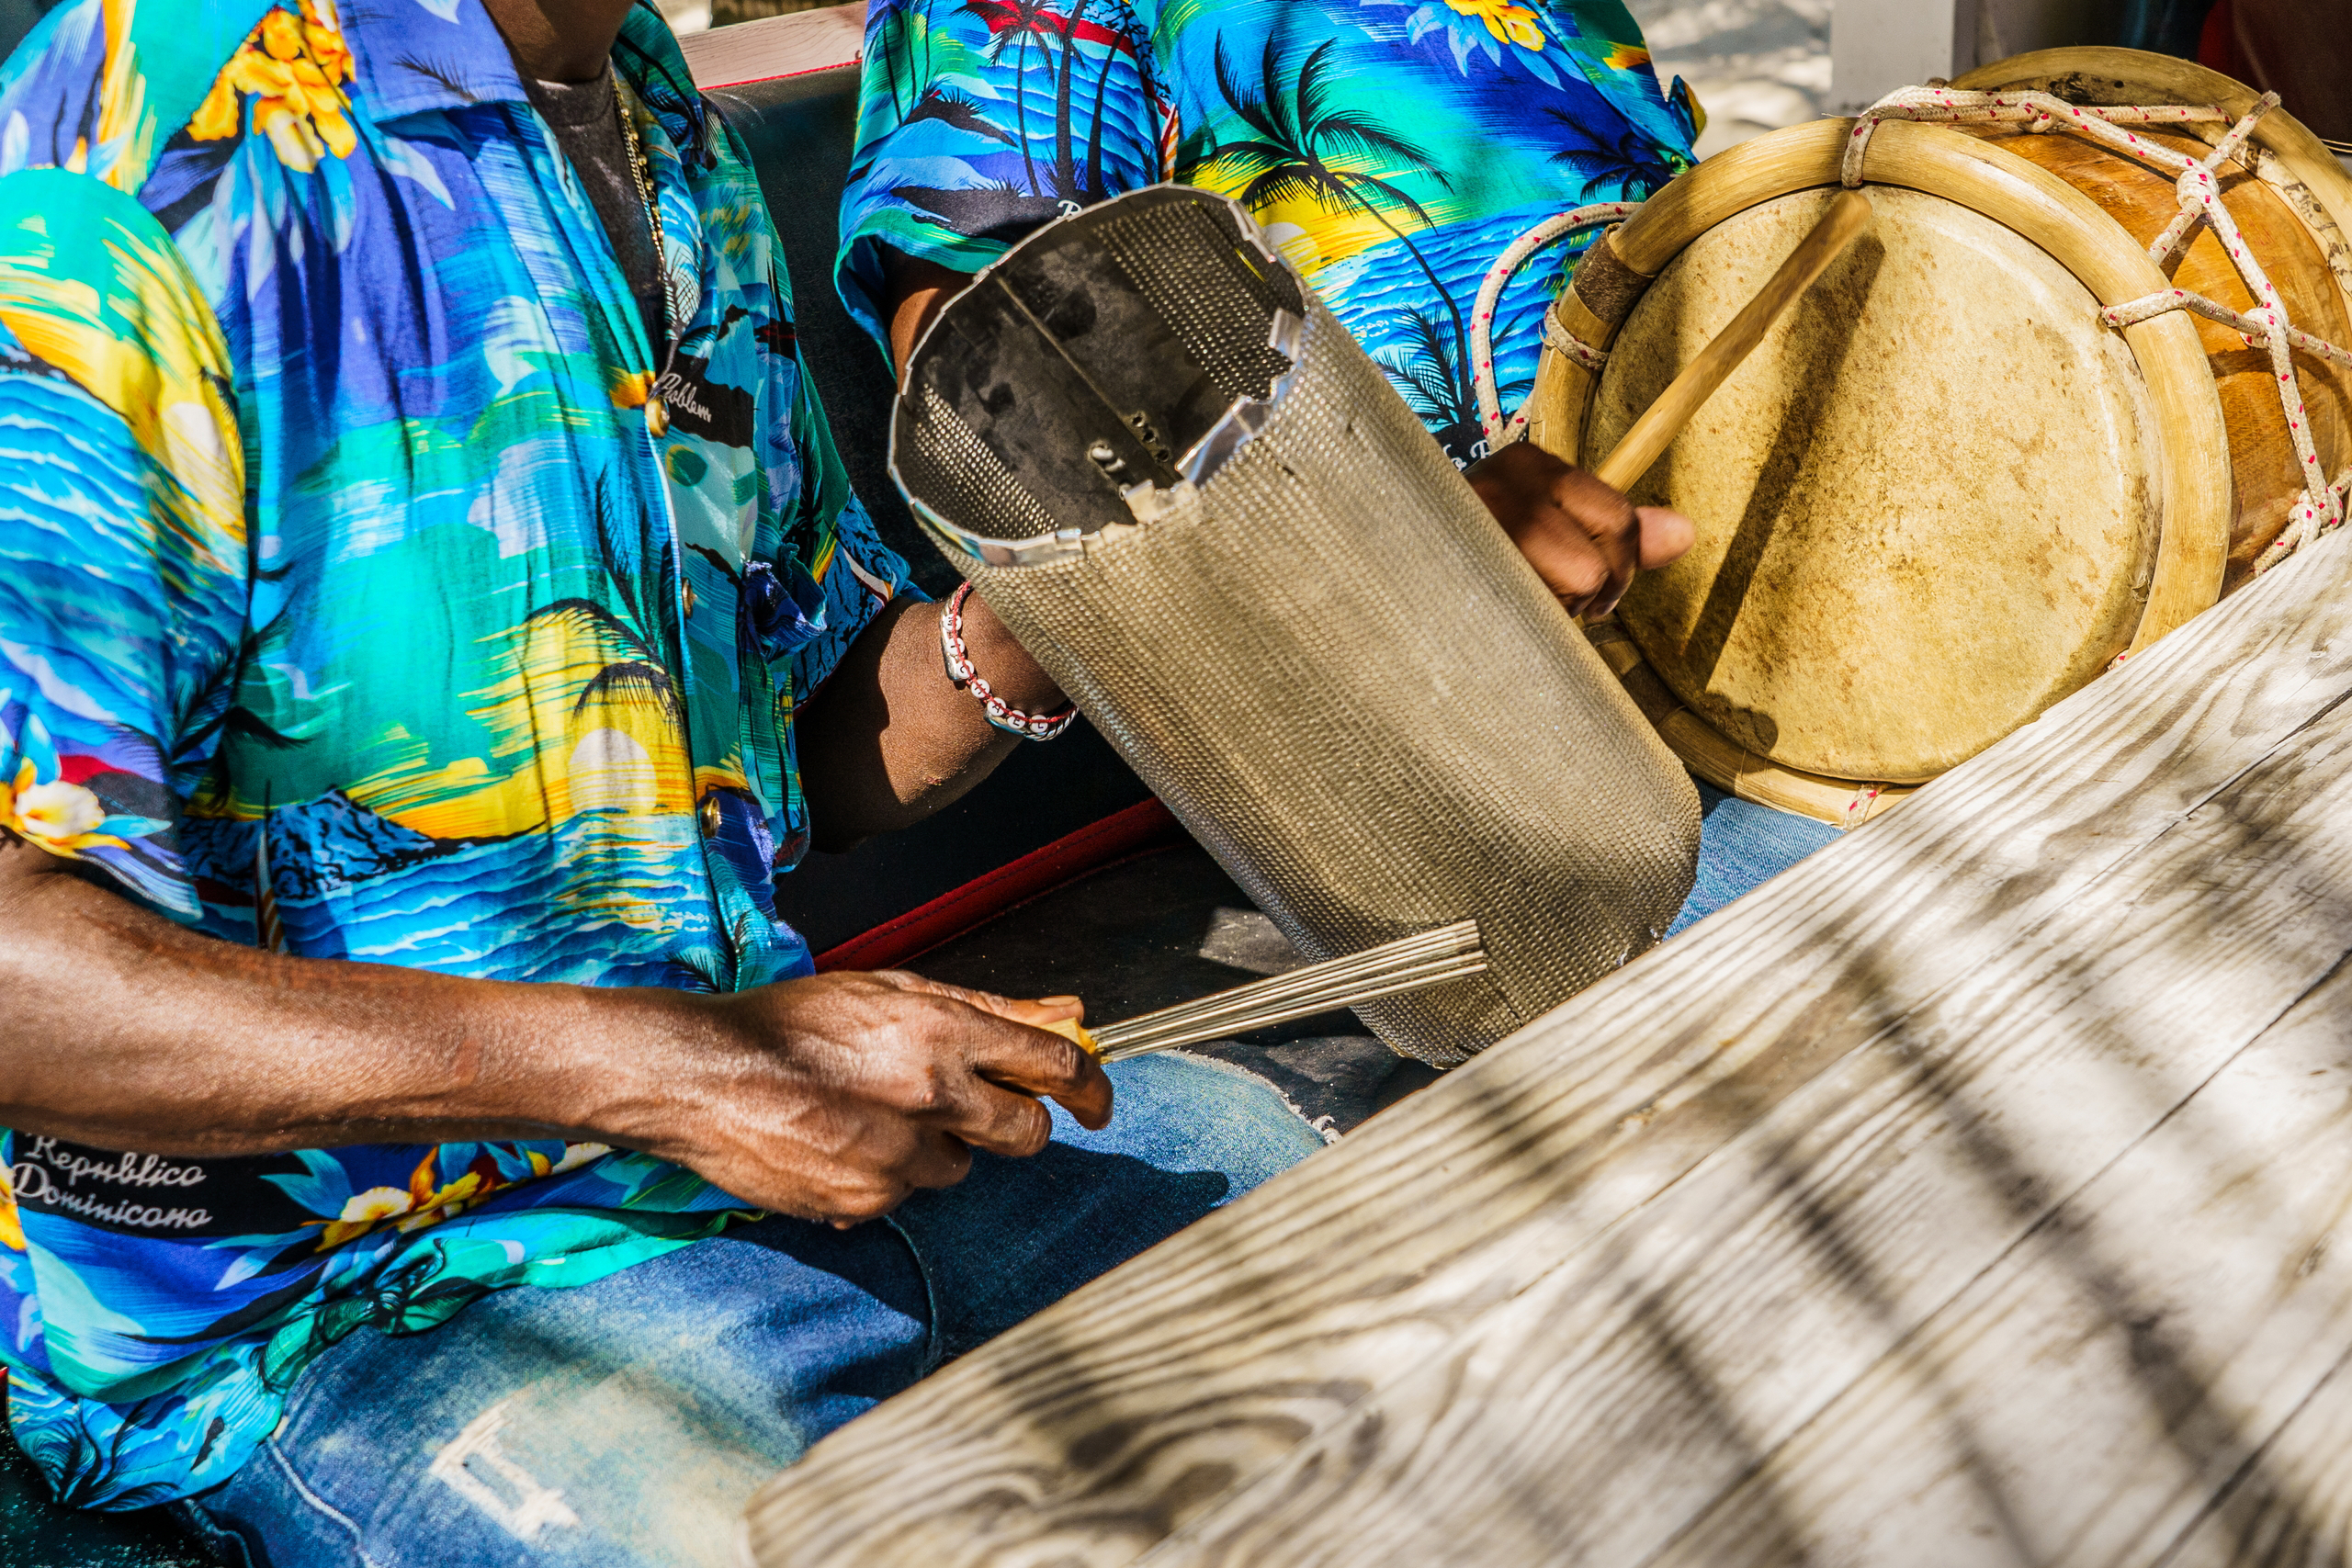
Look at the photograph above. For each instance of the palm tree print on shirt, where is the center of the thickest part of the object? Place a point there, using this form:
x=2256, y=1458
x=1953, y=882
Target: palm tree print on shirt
x=1623, y=164
x=1078, y=55
x=1057, y=35
x=1303, y=142
x=1392, y=147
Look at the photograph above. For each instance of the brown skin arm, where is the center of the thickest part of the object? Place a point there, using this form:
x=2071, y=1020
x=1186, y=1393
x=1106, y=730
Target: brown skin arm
x=832, y=1098
x=889, y=739
x=1583, y=538
x=917, y=290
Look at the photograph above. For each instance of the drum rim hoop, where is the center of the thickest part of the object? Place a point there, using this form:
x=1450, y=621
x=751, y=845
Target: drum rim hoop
x=2193, y=466
x=2173, y=80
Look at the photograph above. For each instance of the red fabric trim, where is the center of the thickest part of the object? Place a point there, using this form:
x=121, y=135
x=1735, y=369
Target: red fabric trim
x=784, y=75
x=1143, y=827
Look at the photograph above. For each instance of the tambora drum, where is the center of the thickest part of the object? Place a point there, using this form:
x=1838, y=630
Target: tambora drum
x=2030, y=424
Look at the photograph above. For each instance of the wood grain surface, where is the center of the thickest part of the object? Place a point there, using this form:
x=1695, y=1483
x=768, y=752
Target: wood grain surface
x=1966, y=1195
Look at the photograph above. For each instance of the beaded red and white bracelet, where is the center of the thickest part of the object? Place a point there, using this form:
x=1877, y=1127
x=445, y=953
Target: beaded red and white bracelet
x=1000, y=713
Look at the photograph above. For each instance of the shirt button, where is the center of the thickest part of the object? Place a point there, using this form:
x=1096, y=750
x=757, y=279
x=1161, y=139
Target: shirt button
x=690, y=598
x=709, y=814
x=657, y=417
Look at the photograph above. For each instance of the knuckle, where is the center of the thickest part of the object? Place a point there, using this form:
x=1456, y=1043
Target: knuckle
x=870, y=1199
x=1594, y=505
x=1523, y=459
x=1031, y=1128
x=1075, y=1076
x=918, y=1089
x=1059, y=1062
x=1580, y=575
x=1607, y=526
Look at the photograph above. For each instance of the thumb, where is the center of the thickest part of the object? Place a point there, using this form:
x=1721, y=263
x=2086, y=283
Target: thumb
x=1045, y=1012
x=1666, y=536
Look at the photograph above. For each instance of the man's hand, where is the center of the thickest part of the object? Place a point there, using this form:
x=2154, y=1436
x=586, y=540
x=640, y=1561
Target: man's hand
x=837, y=1096
x=1584, y=539
x=832, y=1097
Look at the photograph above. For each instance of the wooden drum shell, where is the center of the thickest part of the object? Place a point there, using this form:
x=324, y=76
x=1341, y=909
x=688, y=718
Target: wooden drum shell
x=2220, y=462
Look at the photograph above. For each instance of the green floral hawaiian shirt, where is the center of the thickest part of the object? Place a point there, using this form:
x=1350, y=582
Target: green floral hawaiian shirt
x=356, y=602
x=1392, y=148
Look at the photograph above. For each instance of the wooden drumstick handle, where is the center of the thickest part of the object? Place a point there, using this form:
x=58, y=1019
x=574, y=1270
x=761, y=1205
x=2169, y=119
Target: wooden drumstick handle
x=1848, y=216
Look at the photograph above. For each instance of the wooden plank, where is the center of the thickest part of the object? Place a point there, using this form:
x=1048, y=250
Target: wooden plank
x=1608, y=1408
x=2292, y=1505
x=1143, y=1404
x=2085, y=1400
x=827, y=38
x=1604, y=1409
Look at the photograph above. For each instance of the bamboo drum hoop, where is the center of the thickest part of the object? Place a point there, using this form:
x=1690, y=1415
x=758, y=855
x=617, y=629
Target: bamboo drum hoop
x=2188, y=456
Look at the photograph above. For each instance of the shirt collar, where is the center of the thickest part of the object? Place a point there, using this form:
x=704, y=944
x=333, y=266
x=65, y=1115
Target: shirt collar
x=428, y=54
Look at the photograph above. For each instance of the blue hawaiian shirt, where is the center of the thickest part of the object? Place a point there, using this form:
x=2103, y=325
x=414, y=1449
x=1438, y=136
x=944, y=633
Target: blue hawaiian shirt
x=367, y=590
x=1391, y=148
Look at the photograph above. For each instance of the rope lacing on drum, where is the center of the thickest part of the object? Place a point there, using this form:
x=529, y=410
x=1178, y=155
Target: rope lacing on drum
x=1557, y=335
x=1498, y=431
x=2198, y=184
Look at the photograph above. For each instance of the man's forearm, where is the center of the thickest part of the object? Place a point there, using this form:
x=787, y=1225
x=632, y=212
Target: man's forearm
x=891, y=739
x=830, y=1097
x=122, y=1029
x=918, y=290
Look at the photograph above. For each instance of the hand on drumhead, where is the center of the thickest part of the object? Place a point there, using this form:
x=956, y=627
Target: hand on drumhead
x=1584, y=539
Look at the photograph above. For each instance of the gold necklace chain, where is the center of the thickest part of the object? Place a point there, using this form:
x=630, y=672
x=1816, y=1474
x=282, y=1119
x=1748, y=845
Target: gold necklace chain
x=657, y=415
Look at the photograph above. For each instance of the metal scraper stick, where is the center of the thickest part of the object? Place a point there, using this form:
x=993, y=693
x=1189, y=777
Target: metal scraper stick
x=1849, y=215
x=1408, y=964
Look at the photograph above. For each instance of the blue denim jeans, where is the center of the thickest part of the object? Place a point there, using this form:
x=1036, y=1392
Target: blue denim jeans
x=627, y=1422
x=1742, y=846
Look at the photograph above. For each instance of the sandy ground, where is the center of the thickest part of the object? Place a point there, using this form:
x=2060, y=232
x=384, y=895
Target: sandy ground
x=1757, y=65
x=686, y=16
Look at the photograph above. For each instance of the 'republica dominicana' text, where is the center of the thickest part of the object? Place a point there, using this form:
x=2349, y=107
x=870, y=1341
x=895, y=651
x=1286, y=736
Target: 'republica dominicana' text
x=53, y=1177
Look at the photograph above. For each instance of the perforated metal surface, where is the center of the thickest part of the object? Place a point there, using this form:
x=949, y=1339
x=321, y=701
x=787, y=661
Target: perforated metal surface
x=943, y=456
x=1220, y=313
x=1326, y=657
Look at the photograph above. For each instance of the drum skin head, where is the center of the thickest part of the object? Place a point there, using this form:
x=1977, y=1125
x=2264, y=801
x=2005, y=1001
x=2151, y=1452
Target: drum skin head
x=1928, y=506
